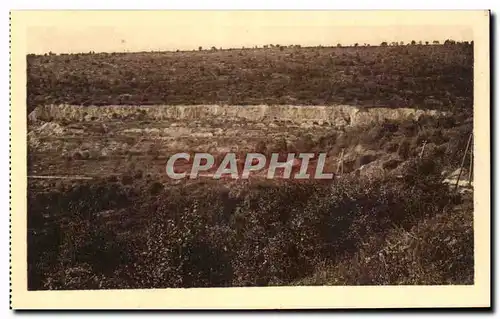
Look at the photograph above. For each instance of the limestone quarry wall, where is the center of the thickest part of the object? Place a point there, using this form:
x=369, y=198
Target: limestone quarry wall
x=339, y=115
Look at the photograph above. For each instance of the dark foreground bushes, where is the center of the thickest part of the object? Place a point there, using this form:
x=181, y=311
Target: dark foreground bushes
x=435, y=251
x=206, y=236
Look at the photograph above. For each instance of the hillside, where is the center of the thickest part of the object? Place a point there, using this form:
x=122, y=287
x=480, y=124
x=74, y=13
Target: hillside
x=422, y=76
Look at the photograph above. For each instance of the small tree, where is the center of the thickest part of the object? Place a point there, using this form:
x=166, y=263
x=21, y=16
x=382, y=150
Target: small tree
x=383, y=44
x=356, y=44
x=200, y=48
x=426, y=42
x=339, y=45
x=401, y=43
x=413, y=42
x=435, y=42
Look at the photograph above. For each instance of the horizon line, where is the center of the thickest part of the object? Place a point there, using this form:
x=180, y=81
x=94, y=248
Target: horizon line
x=262, y=46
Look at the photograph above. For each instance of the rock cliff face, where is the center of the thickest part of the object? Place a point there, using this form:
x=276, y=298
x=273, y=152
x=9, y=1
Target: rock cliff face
x=337, y=115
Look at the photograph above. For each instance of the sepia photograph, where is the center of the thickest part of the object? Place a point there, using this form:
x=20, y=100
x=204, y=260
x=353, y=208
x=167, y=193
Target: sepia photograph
x=244, y=151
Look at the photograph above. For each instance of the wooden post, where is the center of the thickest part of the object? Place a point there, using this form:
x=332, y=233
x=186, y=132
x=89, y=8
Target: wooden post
x=463, y=161
x=423, y=148
x=470, y=164
x=340, y=165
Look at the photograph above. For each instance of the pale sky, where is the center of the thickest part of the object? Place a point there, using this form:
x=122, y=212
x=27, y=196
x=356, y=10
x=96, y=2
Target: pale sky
x=153, y=30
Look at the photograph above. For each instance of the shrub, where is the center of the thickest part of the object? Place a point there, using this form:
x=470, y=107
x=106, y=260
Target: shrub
x=206, y=235
x=404, y=149
x=391, y=164
x=365, y=159
x=155, y=188
x=127, y=179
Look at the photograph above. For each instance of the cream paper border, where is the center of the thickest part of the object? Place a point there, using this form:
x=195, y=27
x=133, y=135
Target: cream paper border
x=268, y=297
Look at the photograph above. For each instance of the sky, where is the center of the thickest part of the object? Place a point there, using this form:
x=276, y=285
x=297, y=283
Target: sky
x=187, y=30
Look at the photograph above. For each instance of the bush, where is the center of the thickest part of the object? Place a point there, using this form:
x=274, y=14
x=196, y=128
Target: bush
x=112, y=236
x=155, y=188
x=365, y=159
x=404, y=149
x=127, y=179
x=435, y=251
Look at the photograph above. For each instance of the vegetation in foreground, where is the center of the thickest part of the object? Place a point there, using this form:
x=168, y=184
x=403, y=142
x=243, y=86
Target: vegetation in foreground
x=405, y=228
x=111, y=236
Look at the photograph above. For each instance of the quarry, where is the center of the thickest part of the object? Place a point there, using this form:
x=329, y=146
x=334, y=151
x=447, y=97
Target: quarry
x=333, y=115
x=96, y=138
